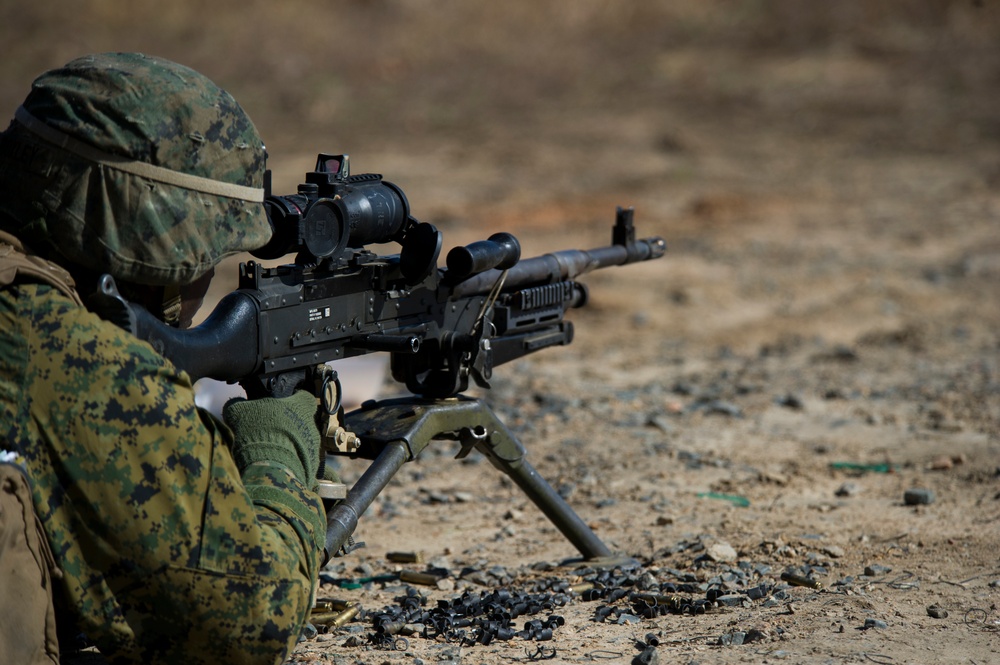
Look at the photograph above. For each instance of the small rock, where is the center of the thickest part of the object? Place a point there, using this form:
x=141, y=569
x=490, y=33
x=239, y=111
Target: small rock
x=721, y=552
x=833, y=551
x=874, y=570
x=848, y=489
x=772, y=477
x=647, y=581
x=433, y=496
x=918, y=497
x=875, y=623
x=566, y=490
x=732, y=600
x=308, y=632
x=942, y=463
x=937, y=612
x=790, y=400
x=647, y=657
x=722, y=407
x=661, y=423
x=734, y=638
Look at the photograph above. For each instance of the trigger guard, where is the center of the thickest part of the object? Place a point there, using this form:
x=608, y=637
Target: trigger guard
x=331, y=394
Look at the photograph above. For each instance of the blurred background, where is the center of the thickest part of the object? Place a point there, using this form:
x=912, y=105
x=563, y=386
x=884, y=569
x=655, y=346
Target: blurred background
x=484, y=109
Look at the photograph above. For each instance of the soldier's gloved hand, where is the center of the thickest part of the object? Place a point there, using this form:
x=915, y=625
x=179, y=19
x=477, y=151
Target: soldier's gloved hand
x=281, y=430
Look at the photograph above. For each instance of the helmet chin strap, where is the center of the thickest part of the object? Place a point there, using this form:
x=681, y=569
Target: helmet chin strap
x=172, y=305
x=189, y=299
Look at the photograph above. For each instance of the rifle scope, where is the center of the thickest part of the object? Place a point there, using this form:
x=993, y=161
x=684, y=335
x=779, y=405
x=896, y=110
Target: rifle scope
x=332, y=211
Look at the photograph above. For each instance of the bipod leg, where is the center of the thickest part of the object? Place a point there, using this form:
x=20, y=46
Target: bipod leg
x=395, y=431
x=342, y=518
x=507, y=454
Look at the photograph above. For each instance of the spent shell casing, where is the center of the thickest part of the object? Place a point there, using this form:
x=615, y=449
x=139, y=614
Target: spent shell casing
x=659, y=600
x=330, y=605
x=407, y=629
x=345, y=616
x=799, y=580
x=413, y=577
x=581, y=587
x=336, y=619
x=390, y=627
x=404, y=557
x=322, y=618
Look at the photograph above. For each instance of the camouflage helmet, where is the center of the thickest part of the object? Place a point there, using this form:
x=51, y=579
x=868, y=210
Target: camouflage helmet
x=135, y=166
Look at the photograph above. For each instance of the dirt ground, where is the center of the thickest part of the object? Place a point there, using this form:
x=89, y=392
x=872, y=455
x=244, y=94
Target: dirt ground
x=820, y=339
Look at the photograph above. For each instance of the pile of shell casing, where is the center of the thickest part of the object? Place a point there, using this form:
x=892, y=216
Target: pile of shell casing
x=469, y=618
x=480, y=618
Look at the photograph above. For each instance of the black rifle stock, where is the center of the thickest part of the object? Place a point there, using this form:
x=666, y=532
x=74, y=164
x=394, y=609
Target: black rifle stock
x=441, y=327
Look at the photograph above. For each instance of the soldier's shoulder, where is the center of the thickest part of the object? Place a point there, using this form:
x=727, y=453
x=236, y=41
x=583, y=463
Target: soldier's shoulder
x=78, y=338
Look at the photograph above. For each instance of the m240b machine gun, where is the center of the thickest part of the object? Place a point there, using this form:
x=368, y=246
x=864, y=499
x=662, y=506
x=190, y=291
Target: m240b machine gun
x=441, y=327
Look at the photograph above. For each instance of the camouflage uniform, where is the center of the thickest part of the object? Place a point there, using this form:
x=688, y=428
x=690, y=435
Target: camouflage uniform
x=170, y=550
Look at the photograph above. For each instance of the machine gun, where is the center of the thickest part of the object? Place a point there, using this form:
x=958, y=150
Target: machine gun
x=441, y=327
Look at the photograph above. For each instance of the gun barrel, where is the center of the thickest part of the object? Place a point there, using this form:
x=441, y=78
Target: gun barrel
x=562, y=265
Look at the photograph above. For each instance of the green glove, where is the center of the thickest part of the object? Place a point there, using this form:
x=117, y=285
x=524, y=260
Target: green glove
x=281, y=430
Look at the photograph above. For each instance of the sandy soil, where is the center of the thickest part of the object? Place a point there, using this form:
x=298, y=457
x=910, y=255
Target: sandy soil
x=820, y=338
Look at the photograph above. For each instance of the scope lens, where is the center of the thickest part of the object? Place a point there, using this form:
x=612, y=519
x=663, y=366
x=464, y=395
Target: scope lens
x=374, y=211
x=324, y=232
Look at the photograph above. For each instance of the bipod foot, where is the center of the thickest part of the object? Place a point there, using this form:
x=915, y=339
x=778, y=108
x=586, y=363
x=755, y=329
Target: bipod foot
x=609, y=562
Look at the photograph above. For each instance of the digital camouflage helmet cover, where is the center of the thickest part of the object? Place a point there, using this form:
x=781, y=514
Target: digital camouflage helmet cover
x=135, y=166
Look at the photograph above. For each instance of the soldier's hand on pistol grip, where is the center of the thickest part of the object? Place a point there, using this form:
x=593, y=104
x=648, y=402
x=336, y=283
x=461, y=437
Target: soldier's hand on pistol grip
x=278, y=430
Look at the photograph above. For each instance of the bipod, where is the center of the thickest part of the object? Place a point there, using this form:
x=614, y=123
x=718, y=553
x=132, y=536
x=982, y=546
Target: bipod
x=393, y=432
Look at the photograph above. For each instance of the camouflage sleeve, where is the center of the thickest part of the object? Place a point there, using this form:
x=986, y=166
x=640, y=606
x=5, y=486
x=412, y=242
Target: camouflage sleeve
x=167, y=554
